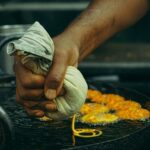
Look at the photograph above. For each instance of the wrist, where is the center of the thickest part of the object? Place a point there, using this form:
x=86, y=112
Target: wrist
x=67, y=48
x=72, y=38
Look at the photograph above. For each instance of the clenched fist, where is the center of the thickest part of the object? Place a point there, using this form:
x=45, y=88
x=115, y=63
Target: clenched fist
x=35, y=92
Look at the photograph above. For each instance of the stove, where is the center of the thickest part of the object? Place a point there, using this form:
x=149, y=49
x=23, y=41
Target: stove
x=30, y=133
x=120, y=69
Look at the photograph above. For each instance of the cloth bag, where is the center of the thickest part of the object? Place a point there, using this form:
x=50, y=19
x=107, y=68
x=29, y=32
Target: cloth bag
x=36, y=50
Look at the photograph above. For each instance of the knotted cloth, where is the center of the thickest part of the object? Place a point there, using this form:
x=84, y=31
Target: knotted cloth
x=36, y=50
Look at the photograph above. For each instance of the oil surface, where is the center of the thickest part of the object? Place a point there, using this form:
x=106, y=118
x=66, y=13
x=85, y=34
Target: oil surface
x=36, y=135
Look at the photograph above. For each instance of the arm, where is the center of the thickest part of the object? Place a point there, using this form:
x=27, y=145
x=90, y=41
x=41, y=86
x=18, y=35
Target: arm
x=101, y=20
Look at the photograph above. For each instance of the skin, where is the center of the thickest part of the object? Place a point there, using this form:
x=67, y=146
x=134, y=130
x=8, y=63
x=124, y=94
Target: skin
x=97, y=23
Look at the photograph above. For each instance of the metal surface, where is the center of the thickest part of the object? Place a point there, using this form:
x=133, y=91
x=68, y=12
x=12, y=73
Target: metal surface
x=8, y=30
x=44, y=6
x=6, y=131
x=33, y=134
x=122, y=59
x=9, y=33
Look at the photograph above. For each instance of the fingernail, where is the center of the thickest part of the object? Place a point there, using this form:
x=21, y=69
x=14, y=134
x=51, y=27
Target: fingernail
x=51, y=94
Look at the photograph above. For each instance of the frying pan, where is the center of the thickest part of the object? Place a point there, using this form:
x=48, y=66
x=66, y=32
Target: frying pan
x=33, y=134
x=6, y=130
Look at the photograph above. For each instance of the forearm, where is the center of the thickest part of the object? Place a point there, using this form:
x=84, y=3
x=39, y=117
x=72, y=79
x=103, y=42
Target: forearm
x=101, y=20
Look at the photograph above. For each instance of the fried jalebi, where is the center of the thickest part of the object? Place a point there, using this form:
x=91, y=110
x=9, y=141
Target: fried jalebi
x=93, y=107
x=133, y=114
x=100, y=99
x=93, y=93
x=98, y=111
x=105, y=98
x=96, y=96
x=114, y=101
x=111, y=98
x=123, y=105
x=97, y=118
x=128, y=104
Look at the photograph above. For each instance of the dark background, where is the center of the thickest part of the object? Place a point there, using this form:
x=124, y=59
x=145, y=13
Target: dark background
x=56, y=20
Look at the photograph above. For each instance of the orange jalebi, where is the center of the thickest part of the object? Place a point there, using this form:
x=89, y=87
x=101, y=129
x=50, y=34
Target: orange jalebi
x=103, y=104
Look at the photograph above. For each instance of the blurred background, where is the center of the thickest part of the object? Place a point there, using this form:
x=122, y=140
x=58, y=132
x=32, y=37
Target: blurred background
x=124, y=59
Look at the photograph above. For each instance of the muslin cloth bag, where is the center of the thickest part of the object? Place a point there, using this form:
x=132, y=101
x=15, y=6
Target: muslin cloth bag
x=36, y=49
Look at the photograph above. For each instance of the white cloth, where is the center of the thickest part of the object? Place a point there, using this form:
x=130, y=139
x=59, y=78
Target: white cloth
x=37, y=49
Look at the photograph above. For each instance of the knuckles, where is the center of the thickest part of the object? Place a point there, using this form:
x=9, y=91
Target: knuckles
x=26, y=82
x=31, y=95
x=31, y=81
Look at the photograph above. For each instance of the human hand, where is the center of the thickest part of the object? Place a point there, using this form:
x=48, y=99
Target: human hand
x=31, y=88
x=66, y=54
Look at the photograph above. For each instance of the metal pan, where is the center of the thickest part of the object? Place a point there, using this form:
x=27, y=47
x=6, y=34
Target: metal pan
x=33, y=134
x=6, y=131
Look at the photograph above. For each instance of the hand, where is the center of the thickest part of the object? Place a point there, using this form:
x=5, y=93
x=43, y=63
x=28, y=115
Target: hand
x=66, y=54
x=30, y=87
x=29, y=90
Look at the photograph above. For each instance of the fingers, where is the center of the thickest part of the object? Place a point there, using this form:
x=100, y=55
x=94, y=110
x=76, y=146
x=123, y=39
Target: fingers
x=26, y=78
x=49, y=106
x=22, y=95
x=37, y=113
x=36, y=108
x=55, y=77
x=29, y=89
x=30, y=94
x=29, y=105
x=32, y=88
x=39, y=109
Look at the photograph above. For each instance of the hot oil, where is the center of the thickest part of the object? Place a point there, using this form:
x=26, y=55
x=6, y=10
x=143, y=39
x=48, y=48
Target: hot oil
x=34, y=134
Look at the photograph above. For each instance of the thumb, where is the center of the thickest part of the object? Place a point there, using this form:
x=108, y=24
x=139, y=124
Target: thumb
x=54, y=79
